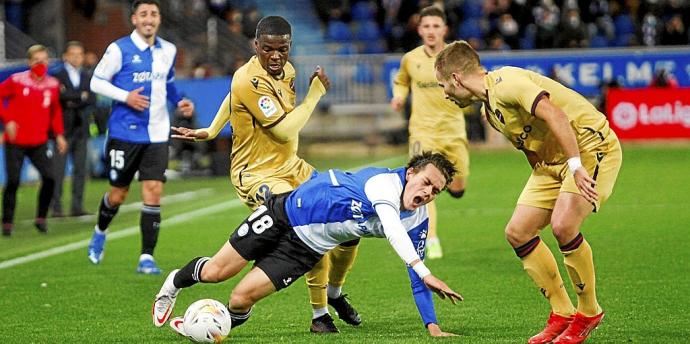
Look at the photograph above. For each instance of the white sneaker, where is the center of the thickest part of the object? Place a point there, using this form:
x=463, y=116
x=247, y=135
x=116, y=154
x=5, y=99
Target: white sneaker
x=177, y=324
x=165, y=301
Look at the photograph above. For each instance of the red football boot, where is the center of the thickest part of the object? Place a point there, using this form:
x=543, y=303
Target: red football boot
x=554, y=327
x=579, y=329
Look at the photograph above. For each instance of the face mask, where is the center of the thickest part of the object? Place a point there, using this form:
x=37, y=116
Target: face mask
x=39, y=69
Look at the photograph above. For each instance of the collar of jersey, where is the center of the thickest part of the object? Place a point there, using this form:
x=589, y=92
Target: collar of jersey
x=139, y=42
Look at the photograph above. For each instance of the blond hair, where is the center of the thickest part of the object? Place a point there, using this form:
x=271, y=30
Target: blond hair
x=458, y=56
x=34, y=49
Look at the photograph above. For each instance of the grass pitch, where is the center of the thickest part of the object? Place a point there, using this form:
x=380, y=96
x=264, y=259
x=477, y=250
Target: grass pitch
x=639, y=238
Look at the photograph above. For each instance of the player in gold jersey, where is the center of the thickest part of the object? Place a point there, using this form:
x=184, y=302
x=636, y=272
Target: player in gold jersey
x=266, y=124
x=436, y=124
x=575, y=159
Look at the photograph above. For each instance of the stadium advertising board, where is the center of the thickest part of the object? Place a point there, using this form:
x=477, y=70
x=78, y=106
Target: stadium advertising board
x=653, y=113
x=585, y=70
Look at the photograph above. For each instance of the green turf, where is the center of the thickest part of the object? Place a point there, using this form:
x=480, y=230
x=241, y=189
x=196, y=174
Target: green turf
x=640, y=243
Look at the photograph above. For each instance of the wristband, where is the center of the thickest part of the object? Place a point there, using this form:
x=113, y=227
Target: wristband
x=421, y=270
x=574, y=163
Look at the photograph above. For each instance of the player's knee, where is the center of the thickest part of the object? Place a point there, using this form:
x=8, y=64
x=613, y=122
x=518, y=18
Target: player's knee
x=117, y=197
x=563, y=229
x=515, y=235
x=456, y=193
x=241, y=300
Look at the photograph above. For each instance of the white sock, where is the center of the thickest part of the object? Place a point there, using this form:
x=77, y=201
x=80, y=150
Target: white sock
x=145, y=256
x=319, y=312
x=333, y=292
x=98, y=230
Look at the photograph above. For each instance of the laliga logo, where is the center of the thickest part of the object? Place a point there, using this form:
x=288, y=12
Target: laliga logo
x=625, y=115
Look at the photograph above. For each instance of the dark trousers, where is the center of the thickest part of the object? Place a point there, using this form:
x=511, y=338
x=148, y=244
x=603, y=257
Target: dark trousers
x=41, y=158
x=77, y=150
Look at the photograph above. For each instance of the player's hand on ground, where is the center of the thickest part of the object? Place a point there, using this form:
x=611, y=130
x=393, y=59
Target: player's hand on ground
x=586, y=184
x=136, y=100
x=187, y=134
x=397, y=104
x=321, y=74
x=435, y=331
x=441, y=289
x=186, y=107
x=61, y=144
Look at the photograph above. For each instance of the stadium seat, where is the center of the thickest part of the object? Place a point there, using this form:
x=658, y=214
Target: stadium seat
x=375, y=47
x=472, y=9
x=623, y=25
x=470, y=28
x=368, y=31
x=598, y=41
x=338, y=31
x=364, y=74
x=362, y=11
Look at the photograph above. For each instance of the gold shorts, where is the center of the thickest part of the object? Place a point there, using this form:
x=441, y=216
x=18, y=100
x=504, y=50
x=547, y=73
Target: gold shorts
x=549, y=180
x=256, y=189
x=456, y=149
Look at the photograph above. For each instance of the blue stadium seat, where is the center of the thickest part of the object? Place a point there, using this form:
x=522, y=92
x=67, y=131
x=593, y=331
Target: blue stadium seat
x=368, y=31
x=375, y=47
x=338, y=31
x=598, y=41
x=623, y=25
x=362, y=11
x=470, y=28
x=624, y=40
x=364, y=74
x=472, y=9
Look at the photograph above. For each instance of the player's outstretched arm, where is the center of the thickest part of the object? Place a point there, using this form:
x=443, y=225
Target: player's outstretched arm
x=204, y=134
x=289, y=127
x=441, y=289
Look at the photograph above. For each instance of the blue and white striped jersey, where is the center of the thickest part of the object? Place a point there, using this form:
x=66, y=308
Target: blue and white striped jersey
x=130, y=63
x=336, y=206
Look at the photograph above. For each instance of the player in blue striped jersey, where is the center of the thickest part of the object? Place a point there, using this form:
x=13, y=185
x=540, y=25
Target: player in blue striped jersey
x=137, y=72
x=290, y=233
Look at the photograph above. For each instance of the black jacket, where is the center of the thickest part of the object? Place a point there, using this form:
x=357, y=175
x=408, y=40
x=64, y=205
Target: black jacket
x=75, y=103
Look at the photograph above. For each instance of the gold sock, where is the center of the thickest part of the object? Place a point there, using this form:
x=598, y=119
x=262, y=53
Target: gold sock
x=317, y=279
x=431, y=208
x=580, y=266
x=540, y=265
x=341, y=259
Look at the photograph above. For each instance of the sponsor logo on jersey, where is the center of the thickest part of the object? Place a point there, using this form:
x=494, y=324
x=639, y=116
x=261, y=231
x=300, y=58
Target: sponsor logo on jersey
x=140, y=77
x=243, y=230
x=136, y=59
x=255, y=82
x=520, y=139
x=267, y=106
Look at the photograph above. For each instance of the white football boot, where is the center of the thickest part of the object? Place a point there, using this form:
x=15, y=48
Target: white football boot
x=165, y=301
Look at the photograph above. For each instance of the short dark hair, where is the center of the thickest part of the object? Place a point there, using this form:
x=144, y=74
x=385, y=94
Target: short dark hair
x=136, y=3
x=439, y=160
x=432, y=11
x=71, y=44
x=273, y=25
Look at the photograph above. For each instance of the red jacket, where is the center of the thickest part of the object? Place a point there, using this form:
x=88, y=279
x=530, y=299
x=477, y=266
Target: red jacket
x=34, y=105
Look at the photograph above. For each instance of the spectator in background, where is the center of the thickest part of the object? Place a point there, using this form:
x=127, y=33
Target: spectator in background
x=33, y=111
x=573, y=33
x=663, y=79
x=546, y=16
x=675, y=32
x=75, y=98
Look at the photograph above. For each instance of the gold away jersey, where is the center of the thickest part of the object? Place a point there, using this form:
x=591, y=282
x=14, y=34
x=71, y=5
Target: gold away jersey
x=258, y=102
x=513, y=94
x=432, y=114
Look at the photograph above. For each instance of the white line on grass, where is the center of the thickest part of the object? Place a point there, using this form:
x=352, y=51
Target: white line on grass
x=135, y=229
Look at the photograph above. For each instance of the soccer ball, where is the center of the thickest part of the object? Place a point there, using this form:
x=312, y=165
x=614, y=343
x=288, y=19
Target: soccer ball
x=207, y=321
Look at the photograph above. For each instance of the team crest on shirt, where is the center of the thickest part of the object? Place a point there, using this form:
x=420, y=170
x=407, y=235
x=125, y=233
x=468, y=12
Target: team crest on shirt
x=136, y=59
x=267, y=106
x=113, y=175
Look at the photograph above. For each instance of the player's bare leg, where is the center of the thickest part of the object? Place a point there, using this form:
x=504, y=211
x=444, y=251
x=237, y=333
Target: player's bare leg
x=225, y=264
x=569, y=212
x=253, y=287
x=539, y=263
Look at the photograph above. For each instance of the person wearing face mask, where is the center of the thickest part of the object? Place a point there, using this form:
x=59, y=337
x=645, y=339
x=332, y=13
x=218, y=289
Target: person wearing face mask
x=290, y=233
x=137, y=72
x=33, y=112
x=75, y=98
x=261, y=108
x=572, y=33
